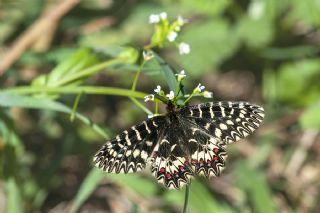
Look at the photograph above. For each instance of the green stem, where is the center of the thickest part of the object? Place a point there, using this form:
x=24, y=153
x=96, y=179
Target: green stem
x=141, y=106
x=75, y=107
x=156, y=107
x=187, y=100
x=135, y=81
x=24, y=90
x=186, y=199
x=177, y=91
x=134, y=86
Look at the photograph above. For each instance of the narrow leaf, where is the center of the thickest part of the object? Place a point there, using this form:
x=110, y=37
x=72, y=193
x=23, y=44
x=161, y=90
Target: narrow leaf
x=14, y=196
x=168, y=73
x=310, y=119
x=255, y=184
x=87, y=187
x=13, y=100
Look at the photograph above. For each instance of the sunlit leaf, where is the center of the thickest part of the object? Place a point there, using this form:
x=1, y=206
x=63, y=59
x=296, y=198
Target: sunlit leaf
x=211, y=43
x=76, y=62
x=310, y=119
x=298, y=82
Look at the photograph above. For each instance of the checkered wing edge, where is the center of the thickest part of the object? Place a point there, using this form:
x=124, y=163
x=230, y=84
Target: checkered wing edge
x=129, y=151
x=226, y=121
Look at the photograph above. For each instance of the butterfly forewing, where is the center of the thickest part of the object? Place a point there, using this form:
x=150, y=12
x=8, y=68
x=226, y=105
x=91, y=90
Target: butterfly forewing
x=129, y=151
x=226, y=121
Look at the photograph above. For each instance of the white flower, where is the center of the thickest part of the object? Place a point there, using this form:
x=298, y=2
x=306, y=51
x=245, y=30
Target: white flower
x=150, y=116
x=207, y=94
x=154, y=18
x=170, y=95
x=184, y=48
x=257, y=9
x=158, y=89
x=199, y=88
x=172, y=36
x=147, y=55
x=163, y=15
x=181, y=75
x=181, y=21
x=148, y=98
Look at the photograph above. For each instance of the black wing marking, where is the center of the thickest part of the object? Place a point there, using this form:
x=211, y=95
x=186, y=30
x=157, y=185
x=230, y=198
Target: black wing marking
x=129, y=151
x=169, y=163
x=227, y=121
x=208, y=154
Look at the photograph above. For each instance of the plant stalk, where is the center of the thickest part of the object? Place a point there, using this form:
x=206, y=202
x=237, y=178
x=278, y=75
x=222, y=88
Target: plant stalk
x=186, y=199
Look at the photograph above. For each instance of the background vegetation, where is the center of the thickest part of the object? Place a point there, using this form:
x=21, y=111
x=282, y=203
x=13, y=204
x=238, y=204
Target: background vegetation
x=60, y=62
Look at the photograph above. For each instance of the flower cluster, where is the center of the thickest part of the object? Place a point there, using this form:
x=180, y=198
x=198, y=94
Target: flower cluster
x=166, y=32
x=172, y=96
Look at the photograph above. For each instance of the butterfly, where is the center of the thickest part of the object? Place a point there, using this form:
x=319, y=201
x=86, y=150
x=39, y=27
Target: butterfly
x=185, y=142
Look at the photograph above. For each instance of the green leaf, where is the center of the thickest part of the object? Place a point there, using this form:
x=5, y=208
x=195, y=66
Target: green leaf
x=167, y=72
x=255, y=33
x=14, y=204
x=71, y=66
x=145, y=187
x=87, y=187
x=310, y=119
x=211, y=43
x=211, y=8
x=11, y=100
x=10, y=159
x=307, y=11
x=200, y=200
x=275, y=53
x=298, y=82
x=255, y=184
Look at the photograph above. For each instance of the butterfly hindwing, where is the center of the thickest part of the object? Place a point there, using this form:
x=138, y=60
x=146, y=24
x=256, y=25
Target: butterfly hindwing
x=129, y=151
x=207, y=153
x=169, y=163
x=227, y=121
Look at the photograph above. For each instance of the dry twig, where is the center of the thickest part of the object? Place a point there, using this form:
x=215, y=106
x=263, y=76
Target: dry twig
x=306, y=141
x=34, y=31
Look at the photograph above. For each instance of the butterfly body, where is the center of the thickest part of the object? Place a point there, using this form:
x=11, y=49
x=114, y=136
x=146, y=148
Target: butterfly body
x=184, y=142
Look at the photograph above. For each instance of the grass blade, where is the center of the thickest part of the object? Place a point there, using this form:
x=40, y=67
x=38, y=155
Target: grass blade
x=89, y=184
x=255, y=184
x=13, y=100
x=14, y=196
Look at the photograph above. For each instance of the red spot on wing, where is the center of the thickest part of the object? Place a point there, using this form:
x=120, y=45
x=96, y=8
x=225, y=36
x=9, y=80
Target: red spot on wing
x=168, y=175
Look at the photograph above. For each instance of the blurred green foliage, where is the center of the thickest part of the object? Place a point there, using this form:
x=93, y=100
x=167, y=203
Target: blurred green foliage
x=96, y=50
